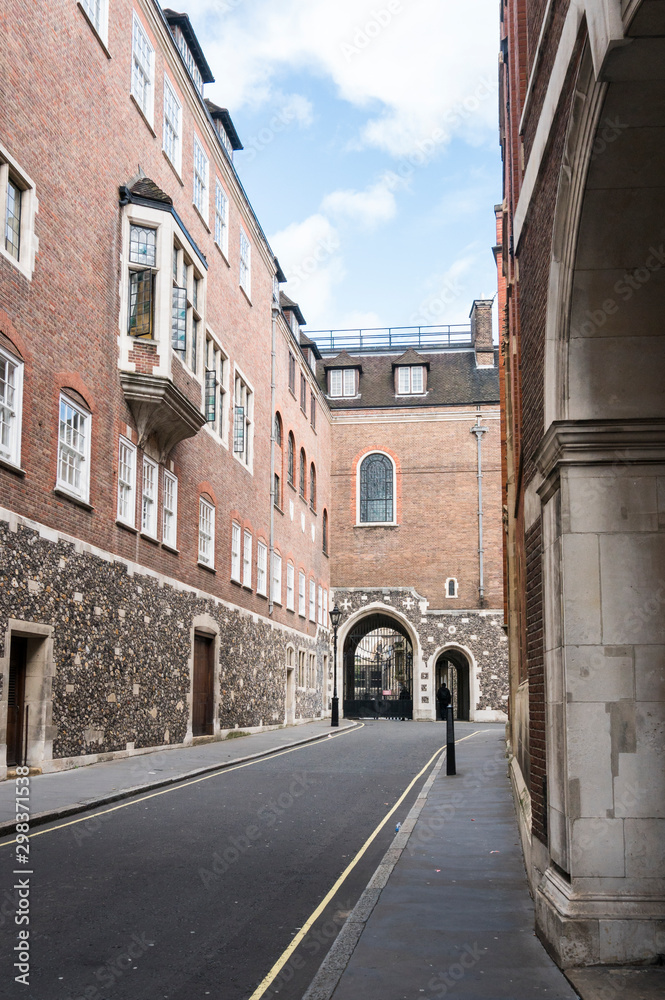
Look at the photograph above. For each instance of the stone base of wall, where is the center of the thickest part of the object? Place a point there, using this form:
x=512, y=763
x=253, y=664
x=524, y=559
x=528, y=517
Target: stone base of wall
x=110, y=663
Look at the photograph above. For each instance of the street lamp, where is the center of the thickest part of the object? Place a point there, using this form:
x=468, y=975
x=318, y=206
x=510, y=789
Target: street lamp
x=335, y=618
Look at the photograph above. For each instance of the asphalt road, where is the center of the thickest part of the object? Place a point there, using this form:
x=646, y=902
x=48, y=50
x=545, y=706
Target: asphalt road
x=197, y=891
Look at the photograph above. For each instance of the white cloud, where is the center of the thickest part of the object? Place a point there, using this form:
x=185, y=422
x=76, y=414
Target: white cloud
x=369, y=207
x=309, y=255
x=418, y=66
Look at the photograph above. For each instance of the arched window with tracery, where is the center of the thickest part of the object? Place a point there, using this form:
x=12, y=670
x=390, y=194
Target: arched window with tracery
x=376, y=489
x=291, y=460
x=312, y=487
x=324, y=532
x=303, y=466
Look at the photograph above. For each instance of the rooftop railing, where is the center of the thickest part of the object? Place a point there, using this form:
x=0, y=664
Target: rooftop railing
x=393, y=338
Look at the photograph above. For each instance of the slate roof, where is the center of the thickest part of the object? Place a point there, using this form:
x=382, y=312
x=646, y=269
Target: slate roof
x=410, y=357
x=287, y=303
x=144, y=187
x=453, y=379
x=343, y=360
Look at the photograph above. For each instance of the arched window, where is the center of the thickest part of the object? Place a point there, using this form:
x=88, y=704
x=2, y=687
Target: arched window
x=278, y=430
x=303, y=466
x=312, y=487
x=292, y=460
x=324, y=532
x=451, y=587
x=376, y=489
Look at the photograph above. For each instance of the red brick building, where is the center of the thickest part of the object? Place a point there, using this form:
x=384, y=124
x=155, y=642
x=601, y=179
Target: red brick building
x=580, y=235
x=416, y=571
x=148, y=585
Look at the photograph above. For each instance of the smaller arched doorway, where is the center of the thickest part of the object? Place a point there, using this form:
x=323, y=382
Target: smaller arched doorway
x=378, y=669
x=453, y=670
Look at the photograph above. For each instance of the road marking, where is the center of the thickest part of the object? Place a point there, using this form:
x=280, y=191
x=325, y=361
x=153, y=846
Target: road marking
x=304, y=930
x=185, y=784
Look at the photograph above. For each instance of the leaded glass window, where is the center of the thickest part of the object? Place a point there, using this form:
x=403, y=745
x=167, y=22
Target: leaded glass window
x=142, y=246
x=376, y=489
x=291, y=459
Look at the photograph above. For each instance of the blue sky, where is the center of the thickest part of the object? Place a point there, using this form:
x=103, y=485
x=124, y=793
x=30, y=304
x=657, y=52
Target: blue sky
x=371, y=148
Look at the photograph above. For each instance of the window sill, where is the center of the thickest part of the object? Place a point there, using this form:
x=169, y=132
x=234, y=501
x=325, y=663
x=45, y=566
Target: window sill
x=10, y=467
x=293, y=393
x=312, y=510
x=169, y=548
x=235, y=582
x=20, y=264
x=249, y=301
x=198, y=212
x=142, y=114
x=173, y=168
x=264, y=596
x=376, y=524
x=224, y=256
x=209, y=569
x=72, y=498
x=247, y=588
x=94, y=30
x=127, y=527
x=292, y=485
x=150, y=538
x=278, y=509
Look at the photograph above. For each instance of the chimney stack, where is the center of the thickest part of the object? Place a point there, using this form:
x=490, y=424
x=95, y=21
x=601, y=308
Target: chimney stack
x=481, y=332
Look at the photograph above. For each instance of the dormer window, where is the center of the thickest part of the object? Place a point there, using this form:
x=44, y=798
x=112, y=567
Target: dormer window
x=186, y=54
x=410, y=380
x=342, y=382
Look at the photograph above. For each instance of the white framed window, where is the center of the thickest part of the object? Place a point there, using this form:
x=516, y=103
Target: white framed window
x=126, y=482
x=243, y=413
x=74, y=449
x=290, y=587
x=451, y=587
x=11, y=408
x=18, y=205
x=410, y=380
x=143, y=70
x=187, y=303
x=98, y=15
x=149, y=497
x=247, y=559
x=201, y=167
x=301, y=668
x=320, y=605
x=261, y=568
x=245, y=264
x=311, y=672
x=216, y=388
x=172, y=130
x=170, y=510
x=276, y=578
x=312, y=601
x=235, y=552
x=342, y=382
x=221, y=219
x=206, y=533
x=302, y=611
x=325, y=609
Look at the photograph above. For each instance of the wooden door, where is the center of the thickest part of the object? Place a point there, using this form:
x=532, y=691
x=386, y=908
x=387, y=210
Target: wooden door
x=203, y=700
x=16, y=701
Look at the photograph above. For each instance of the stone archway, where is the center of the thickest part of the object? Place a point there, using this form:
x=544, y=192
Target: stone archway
x=379, y=655
x=453, y=668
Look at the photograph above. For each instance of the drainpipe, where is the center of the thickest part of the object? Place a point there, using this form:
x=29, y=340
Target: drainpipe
x=479, y=431
x=275, y=312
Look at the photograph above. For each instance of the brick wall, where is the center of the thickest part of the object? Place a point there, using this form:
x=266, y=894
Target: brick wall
x=437, y=531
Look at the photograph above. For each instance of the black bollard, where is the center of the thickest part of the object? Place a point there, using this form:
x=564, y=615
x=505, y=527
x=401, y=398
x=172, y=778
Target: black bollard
x=450, y=741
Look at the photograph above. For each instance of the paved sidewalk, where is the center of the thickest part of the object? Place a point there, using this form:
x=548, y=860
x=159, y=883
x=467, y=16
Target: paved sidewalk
x=67, y=792
x=453, y=916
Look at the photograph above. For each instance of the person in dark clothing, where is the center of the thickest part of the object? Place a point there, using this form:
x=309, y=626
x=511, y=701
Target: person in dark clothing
x=404, y=695
x=443, y=699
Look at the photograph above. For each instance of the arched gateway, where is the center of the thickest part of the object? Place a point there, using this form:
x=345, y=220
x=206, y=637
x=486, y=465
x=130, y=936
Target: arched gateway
x=378, y=668
x=453, y=670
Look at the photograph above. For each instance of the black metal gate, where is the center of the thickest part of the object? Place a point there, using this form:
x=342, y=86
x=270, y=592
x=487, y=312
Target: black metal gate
x=378, y=670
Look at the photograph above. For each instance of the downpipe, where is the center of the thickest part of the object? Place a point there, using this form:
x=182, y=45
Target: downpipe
x=478, y=430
